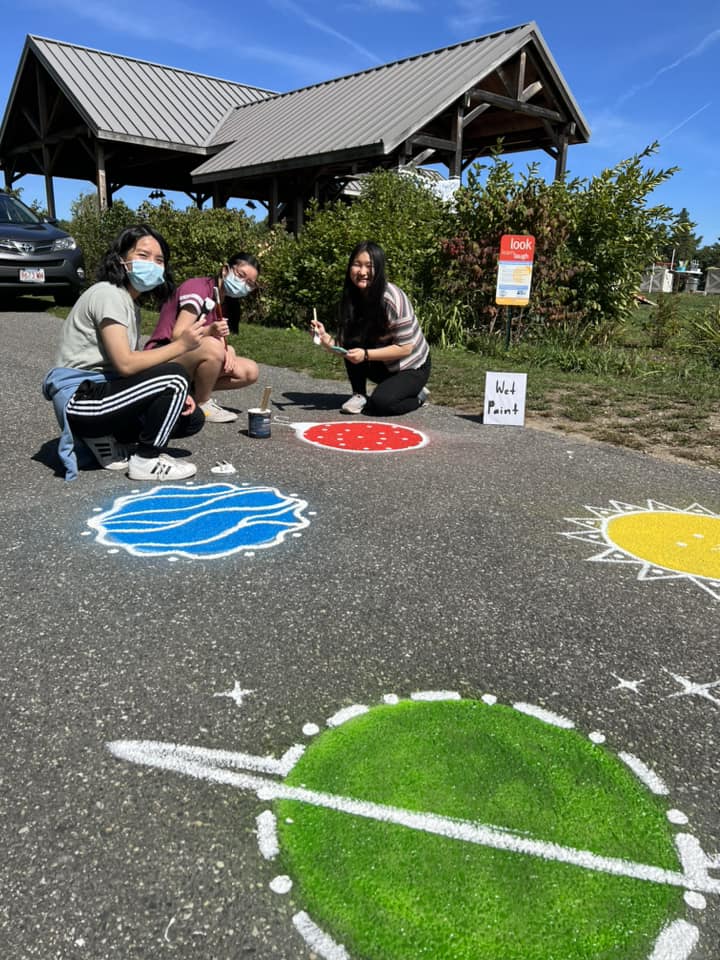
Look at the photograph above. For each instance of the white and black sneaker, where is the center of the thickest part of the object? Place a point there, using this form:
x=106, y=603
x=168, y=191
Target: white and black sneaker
x=356, y=404
x=110, y=454
x=423, y=396
x=161, y=467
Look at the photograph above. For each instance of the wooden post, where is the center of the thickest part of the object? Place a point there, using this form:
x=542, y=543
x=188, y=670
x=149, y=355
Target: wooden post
x=43, y=121
x=561, y=160
x=102, y=187
x=273, y=208
x=455, y=165
x=299, y=212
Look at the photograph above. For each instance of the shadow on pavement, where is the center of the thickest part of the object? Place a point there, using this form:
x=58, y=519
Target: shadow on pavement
x=311, y=401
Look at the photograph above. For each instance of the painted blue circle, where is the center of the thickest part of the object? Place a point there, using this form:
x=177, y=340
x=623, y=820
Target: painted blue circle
x=203, y=522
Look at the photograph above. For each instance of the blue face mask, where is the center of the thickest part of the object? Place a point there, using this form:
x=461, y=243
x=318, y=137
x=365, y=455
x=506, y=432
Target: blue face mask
x=235, y=287
x=144, y=275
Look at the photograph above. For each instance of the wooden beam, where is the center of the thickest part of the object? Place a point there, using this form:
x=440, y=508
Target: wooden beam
x=475, y=113
x=529, y=92
x=521, y=74
x=516, y=106
x=502, y=73
x=70, y=134
x=31, y=121
x=422, y=140
x=421, y=157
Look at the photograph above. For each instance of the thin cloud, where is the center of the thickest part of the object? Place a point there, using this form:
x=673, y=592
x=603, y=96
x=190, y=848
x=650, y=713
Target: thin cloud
x=396, y=6
x=707, y=41
x=473, y=14
x=175, y=32
x=117, y=20
x=682, y=123
x=325, y=28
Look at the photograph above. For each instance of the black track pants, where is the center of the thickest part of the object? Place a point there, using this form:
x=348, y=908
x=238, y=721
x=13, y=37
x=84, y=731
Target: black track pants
x=145, y=408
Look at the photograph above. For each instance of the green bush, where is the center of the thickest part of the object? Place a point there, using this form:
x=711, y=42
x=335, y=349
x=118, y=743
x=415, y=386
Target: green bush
x=592, y=240
x=96, y=229
x=396, y=211
x=703, y=336
x=201, y=240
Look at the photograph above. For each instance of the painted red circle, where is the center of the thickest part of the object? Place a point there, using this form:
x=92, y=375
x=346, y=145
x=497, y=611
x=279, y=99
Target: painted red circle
x=364, y=437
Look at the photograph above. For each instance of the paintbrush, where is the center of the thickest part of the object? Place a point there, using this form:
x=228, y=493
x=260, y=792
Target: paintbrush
x=265, y=398
x=316, y=335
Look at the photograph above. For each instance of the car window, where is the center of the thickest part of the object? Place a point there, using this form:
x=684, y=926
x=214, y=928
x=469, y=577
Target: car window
x=12, y=211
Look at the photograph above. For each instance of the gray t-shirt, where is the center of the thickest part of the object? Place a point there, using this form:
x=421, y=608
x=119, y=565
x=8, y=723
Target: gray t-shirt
x=81, y=346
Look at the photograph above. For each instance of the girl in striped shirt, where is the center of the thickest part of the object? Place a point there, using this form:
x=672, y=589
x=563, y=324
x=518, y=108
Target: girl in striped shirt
x=380, y=339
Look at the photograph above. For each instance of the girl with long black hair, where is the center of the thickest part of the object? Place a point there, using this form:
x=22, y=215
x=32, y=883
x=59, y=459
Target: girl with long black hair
x=111, y=398
x=380, y=339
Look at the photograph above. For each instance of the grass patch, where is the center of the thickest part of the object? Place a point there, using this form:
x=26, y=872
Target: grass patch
x=388, y=892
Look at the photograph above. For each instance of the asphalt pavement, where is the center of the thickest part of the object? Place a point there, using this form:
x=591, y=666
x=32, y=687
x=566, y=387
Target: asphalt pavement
x=440, y=568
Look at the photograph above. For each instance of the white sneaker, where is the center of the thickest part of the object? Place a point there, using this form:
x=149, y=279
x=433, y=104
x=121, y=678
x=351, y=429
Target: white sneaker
x=110, y=454
x=214, y=413
x=356, y=404
x=423, y=396
x=162, y=467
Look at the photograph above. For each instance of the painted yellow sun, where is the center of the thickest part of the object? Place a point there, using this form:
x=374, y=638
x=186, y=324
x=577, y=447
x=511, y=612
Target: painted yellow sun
x=668, y=543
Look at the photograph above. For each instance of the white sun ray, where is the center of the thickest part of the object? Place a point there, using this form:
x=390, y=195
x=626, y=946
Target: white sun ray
x=594, y=530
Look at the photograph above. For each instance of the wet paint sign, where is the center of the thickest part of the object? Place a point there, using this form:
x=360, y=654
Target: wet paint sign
x=505, y=398
x=515, y=266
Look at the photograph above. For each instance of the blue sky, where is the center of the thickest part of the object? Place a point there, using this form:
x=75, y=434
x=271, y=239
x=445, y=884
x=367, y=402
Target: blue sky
x=639, y=71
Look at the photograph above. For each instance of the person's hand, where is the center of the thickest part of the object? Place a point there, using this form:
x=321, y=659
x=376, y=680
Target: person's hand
x=318, y=329
x=192, y=335
x=355, y=355
x=219, y=329
x=190, y=406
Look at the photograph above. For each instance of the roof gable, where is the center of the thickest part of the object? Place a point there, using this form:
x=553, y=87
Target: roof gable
x=375, y=110
x=134, y=100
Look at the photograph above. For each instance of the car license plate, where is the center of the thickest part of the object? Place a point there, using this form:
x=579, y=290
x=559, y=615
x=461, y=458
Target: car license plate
x=32, y=275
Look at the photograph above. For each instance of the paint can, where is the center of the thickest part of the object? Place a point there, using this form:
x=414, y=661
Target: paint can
x=258, y=423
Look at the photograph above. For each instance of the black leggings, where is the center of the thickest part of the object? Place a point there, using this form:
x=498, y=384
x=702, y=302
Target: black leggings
x=396, y=392
x=145, y=409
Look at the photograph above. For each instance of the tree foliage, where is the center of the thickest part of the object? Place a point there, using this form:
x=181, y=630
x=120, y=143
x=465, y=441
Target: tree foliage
x=200, y=240
x=399, y=212
x=682, y=242
x=96, y=229
x=593, y=240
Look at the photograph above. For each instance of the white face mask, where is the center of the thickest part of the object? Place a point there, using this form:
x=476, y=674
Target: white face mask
x=235, y=287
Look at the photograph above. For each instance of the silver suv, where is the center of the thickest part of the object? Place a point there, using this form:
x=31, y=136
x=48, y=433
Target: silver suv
x=36, y=256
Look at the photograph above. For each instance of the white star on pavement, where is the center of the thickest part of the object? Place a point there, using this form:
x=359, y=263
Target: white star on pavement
x=237, y=693
x=627, y=684
x=691, y=689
